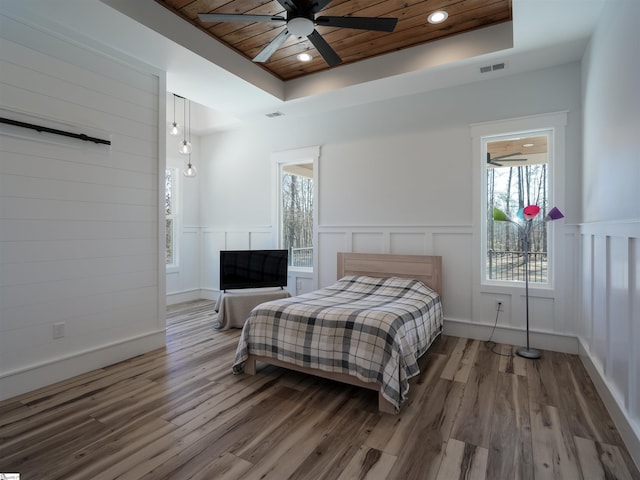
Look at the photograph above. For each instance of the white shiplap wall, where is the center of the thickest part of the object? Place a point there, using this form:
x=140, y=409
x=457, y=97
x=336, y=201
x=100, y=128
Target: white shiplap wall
x=80, y=238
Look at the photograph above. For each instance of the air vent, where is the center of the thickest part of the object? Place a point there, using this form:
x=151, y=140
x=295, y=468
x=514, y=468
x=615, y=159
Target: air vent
x=492, y=68
x=275, y=114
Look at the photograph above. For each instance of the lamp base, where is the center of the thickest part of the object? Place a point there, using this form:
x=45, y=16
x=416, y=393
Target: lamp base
x=528, y=353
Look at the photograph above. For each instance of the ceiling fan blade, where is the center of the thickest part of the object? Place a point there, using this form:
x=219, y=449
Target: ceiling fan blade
x=512, y=159
x=319, y=5
x=361, y=23
x=232, y=17
x=490, y=161
x=288, y=5
x=269, y=50
x=329, y=54
x=506, y=156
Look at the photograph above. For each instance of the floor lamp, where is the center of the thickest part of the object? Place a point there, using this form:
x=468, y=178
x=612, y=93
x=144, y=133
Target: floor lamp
x=528, y=214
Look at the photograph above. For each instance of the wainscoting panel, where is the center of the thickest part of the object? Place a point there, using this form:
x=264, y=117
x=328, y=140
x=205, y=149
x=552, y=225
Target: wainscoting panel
x=456, y=250
x=372, y=242
x=407, y=243
x=600, y=296
x=620, y=326
x=609, y=326
x=329, y=244
x=261, y=240
x=238, y=241
x=212, y=243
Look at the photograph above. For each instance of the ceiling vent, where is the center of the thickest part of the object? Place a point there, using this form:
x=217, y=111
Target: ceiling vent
x=492, y=68
x=274, y=114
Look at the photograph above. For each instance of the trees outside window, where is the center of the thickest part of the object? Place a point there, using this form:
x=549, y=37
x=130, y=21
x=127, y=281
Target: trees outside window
x=169, y=211
x=296, y=213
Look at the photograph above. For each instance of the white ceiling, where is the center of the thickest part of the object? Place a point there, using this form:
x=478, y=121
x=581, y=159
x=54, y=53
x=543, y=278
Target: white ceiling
x=543, y=33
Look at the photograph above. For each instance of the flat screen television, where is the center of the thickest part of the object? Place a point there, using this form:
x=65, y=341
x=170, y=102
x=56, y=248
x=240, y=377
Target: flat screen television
x=253, y=268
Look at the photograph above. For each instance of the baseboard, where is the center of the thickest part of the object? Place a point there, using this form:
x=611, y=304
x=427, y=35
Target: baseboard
x=36, y=376
x=556, y=342
x=189, y=295
x=629, y=432
x=185, y=296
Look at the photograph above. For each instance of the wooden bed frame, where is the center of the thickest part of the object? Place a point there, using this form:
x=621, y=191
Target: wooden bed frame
x=426, y=268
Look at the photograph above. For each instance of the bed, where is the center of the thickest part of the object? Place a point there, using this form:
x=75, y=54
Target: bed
x=368, y=329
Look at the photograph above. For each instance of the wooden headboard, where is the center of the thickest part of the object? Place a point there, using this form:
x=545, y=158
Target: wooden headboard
x=425, y=268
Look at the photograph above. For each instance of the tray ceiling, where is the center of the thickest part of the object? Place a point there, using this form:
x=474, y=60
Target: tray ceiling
x=351, y=45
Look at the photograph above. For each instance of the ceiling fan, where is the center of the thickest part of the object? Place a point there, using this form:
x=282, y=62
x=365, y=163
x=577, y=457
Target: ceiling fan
x=504, y=158
x=300, y=21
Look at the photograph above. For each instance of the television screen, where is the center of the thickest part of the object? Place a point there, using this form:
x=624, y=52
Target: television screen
x=253, y=268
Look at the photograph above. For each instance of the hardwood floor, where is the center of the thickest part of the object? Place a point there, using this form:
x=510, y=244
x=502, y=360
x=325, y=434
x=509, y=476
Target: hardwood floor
x=179, y=413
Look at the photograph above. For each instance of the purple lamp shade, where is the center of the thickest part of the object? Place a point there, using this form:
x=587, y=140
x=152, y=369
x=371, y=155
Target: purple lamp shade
x=554, y=214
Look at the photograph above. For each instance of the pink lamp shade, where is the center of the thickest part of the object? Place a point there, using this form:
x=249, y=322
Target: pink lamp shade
x=554, y=214
x=531, y=211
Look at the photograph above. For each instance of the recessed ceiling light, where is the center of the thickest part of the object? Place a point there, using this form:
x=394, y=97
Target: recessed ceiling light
x=527, y=145
x=304, y=57
x=438, y=16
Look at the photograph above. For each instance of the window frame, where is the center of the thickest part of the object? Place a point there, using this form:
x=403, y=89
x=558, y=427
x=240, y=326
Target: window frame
x=554, y=126
x=280, y=160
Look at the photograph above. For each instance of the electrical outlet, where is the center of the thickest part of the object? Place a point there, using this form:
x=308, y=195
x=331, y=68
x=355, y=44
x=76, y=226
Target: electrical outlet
x=498, y=305
x=58, y=330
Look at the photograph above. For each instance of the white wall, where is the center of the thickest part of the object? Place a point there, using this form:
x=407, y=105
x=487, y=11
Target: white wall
x=609, y=323
x=398, y=176
x=80, y=240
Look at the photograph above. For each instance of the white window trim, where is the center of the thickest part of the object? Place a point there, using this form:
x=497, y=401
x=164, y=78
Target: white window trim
x=556, y=122
x=290, y=157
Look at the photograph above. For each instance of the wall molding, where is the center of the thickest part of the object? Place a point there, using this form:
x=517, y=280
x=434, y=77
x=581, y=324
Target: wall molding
x=184, y=296
x=556, y=342
x=32, y=377
x=618, y=228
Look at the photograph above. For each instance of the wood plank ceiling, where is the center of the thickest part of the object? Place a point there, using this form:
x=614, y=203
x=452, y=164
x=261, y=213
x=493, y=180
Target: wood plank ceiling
x=352, y=45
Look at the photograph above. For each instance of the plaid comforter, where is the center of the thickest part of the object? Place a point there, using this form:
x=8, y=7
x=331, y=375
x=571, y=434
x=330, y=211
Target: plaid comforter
x=372, y=328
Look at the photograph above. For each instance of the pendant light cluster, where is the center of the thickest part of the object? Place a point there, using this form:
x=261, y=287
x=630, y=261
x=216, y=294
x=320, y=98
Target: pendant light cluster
x=185, y=145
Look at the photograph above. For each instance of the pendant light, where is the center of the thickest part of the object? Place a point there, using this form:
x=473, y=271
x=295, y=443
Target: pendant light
x=190, y=170
x=175, y=128
x=185, y=148
x=185, y=145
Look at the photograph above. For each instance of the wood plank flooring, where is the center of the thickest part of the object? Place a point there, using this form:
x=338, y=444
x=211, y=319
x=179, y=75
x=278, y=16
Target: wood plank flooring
x=179, y=413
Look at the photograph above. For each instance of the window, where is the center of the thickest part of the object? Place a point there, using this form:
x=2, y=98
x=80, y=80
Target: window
x=516, y=175
x=510, y=173
x=170, y=214
x=296, y=204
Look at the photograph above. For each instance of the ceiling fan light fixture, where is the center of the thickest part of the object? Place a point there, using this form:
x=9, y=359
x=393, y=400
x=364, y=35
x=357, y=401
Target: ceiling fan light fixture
x=438, y=16
x=304, y=57
x=300, y=26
